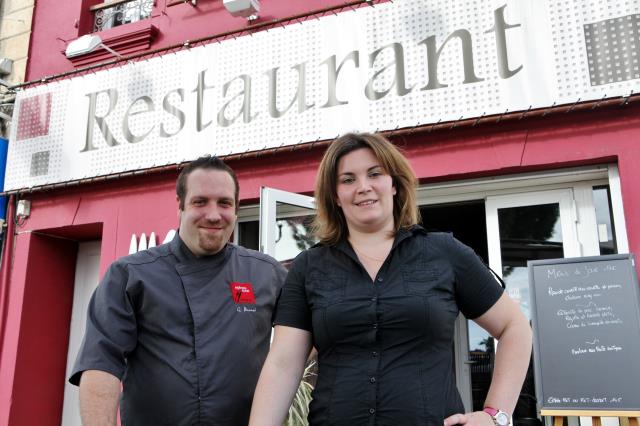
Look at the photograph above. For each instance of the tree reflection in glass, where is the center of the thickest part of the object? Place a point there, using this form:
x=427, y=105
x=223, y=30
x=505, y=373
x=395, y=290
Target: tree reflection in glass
x=294, y=234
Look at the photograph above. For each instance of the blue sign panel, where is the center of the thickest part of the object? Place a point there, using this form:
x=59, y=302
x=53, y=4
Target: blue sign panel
x=4, y=146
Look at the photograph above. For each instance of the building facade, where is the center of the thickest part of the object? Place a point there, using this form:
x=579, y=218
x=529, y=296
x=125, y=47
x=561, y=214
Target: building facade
x=518, y=117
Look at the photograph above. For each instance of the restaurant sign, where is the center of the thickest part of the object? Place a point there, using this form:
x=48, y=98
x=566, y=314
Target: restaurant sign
x=398, y=64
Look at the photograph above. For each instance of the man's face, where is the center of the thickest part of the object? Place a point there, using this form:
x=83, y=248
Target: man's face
x=209, y=215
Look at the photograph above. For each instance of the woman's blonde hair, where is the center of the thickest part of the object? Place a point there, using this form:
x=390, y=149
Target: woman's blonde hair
x=330, y=225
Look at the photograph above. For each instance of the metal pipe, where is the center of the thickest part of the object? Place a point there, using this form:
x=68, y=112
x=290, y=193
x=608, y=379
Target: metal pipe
x=6, y=264
x=110, y=50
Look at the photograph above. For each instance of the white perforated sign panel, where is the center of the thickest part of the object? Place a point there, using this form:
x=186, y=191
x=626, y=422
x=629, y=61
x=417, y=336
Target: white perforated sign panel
x=395, y=65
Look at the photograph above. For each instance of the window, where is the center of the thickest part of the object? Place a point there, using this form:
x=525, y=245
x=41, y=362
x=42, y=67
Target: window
x=125, y=26
x=115, y=13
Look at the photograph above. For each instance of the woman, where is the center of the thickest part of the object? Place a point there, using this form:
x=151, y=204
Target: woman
x=378, y=299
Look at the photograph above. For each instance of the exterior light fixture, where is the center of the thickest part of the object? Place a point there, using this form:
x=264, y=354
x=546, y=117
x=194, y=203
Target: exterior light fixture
x=23, y=210
x=87, y=44
x=245, y=8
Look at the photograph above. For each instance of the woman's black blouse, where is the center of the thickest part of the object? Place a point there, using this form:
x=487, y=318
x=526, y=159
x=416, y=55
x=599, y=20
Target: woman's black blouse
x=385, y=347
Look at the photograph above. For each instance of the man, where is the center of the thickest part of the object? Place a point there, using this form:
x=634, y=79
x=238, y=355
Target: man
x=185, y=326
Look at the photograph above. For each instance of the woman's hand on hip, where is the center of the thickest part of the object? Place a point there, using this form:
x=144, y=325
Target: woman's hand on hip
x=476, y=418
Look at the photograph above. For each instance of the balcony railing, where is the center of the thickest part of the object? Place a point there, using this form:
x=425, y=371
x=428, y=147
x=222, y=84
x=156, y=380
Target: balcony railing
x=119, y=12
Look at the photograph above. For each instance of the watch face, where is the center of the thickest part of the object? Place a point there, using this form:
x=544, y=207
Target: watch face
x=502, y=419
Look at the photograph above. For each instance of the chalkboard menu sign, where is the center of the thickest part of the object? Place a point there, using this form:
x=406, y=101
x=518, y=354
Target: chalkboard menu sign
x=586, y=322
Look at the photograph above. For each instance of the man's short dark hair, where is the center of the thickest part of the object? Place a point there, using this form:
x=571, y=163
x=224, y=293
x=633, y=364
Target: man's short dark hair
x=207, y=163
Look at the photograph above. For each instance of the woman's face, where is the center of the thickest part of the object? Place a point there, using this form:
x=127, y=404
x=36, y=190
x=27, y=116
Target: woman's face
x=365, y=192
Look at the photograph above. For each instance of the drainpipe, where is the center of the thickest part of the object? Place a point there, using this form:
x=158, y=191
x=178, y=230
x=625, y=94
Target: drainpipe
x=6, y=263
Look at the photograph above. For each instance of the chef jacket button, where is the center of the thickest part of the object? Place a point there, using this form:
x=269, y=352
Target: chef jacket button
x=372, y=410
x=374, y=354
x=372, y=380
x=375, y=325
x=374, y=299
x=380, y=279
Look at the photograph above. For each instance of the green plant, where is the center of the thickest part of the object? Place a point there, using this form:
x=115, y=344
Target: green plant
x=300, y=407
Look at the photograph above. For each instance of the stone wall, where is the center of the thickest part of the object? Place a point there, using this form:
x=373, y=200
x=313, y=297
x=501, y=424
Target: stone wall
x=15, y=32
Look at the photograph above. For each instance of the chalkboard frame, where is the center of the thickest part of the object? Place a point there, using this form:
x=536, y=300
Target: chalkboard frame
x=540, y=395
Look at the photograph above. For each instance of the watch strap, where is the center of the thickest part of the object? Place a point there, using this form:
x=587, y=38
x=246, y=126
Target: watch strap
x=500, y=418
x=491, y=411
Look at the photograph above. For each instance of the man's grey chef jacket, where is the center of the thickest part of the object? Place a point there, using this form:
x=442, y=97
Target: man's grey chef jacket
x=187, y=336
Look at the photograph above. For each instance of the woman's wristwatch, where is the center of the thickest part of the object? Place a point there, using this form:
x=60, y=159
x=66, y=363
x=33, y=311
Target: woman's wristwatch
x=500, y=418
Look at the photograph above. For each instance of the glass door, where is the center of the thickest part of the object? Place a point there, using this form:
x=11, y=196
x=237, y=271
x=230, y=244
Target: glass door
x=522, y=227
x=285, y=223
x=285, y=230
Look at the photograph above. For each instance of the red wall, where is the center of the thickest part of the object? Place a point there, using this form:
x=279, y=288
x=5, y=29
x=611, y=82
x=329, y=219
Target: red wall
x=35, y=343
x=45, y=313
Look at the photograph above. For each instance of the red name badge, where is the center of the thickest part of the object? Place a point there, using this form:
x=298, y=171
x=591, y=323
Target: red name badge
x=242, y=293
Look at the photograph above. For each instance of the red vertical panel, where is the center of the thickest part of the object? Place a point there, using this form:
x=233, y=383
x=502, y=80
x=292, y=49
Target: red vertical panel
x=12, y=322
x=41, y=357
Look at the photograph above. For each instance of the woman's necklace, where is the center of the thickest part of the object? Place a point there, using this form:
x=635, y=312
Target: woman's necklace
x=360, y=252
